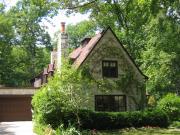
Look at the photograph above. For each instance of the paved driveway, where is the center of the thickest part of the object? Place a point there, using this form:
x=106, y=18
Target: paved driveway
x=16, y=128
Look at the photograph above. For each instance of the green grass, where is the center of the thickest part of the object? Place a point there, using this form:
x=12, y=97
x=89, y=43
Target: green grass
x=127, y=131
x=142, y=131
x=174, y=129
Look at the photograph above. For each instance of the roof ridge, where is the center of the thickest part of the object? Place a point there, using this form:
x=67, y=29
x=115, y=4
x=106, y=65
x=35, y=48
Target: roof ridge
x=86, y=50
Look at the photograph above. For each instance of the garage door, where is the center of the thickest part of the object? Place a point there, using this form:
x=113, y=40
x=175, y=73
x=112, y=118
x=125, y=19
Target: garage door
x=15, y=108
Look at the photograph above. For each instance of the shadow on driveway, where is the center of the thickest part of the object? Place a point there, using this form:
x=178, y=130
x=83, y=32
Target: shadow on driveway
x=5, y=129
x=16, y=128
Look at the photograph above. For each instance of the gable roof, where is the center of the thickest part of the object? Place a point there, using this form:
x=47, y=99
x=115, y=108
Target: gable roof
x=80, y=54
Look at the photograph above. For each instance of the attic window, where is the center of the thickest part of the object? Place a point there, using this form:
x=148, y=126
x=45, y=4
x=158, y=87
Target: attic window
x=109, y=69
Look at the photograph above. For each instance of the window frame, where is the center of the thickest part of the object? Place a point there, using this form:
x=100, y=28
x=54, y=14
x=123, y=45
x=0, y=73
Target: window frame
x=120, y=108
x=109, y=72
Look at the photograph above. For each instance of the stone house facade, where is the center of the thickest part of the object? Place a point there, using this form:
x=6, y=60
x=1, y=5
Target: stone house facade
x=107, y=59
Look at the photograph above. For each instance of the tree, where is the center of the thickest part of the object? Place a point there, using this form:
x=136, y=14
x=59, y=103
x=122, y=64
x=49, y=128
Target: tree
x=30, y=34
x=79, y=31
x=6, y=41
x=25, y=44
x=125, y=17
x=162, y=48
x=148, y=29
x=68, y=90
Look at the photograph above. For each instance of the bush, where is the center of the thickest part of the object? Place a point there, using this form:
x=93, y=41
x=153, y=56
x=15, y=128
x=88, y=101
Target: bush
x=61, y=102
x=155, y=118
x=49, y=110
x=64, y=92
x=117, y=120
x=67, y=131
x=175, y=124
x=171, y=105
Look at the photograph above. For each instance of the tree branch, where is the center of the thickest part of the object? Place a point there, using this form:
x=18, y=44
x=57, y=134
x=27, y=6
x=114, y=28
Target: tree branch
x=79, y=6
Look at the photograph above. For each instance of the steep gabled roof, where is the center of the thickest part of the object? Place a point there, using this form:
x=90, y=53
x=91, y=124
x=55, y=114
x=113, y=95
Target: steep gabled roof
x=80, y=54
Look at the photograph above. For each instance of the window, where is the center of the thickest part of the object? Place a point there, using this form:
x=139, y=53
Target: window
x=109, y=69
x=116, y=103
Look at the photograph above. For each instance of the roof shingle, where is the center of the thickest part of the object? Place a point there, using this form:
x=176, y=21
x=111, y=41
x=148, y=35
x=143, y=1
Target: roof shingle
x=80, y=54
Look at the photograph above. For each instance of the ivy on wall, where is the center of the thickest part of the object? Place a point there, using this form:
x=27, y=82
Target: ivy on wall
x=126, y=82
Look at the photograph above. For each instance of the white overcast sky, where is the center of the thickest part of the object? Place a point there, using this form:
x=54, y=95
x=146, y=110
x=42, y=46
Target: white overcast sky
x=55, y=22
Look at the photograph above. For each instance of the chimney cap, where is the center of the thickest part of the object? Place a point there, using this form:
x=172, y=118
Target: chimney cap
x=63, y=23
x=63, y=27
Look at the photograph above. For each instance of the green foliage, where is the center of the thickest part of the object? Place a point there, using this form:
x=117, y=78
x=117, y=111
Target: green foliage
x=175, y=124
x=67, y=131
x=140, y=131
x=20, y=74
x=151, y=101
x=80, y=31
x=171, y=105
x=67, y=90
x=126, y=79
x=31, y=35
x=76, y=33
x=160, y=57
x=148, y=29
x=61, y=130
x=117, y=120
x=6, y=41
x=24, y=43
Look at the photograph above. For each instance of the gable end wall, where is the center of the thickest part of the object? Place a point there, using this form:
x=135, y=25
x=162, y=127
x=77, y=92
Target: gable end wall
x=108, y=48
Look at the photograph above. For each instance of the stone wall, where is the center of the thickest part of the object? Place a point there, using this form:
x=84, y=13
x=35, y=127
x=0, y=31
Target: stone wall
x=108, y=48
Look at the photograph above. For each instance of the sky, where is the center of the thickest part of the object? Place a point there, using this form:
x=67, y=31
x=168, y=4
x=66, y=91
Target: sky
x=72, y=19
x=55, y=22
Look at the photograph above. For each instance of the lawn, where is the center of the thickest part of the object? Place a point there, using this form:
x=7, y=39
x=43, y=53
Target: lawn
x=142, y=131
x=173, y=129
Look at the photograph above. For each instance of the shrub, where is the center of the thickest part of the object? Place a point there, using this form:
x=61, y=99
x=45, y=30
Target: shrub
x=67, y=131
x=61, y=102
x=47, y=109
x=155, y=118
x=171, y=105
x=175, y=124
x=53, y=114
x=64, y=92
x=151, y=101
x=117, y=120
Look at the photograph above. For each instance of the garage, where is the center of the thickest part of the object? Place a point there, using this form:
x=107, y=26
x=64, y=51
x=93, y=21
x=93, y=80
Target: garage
x=15, y=104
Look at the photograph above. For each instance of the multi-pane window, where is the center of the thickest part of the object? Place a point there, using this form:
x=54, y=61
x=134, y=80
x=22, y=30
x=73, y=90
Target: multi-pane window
x=110, y=103
x=109, y=69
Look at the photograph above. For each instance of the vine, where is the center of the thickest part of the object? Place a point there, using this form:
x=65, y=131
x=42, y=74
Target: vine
x=126, y=79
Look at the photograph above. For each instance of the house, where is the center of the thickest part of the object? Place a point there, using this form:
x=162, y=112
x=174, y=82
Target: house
x=106, y=58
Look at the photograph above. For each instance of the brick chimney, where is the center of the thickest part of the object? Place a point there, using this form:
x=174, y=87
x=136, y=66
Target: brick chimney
x=63, y=27
x=62, y=45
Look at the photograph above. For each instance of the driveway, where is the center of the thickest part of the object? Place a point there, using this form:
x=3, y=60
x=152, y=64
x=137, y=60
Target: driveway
x=16, y=128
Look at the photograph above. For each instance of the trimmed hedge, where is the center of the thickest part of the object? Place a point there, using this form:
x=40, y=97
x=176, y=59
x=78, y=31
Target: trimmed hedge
x=106, y=120
x=114, y=120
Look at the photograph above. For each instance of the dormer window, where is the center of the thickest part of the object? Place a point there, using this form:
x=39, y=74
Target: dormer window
x=85, y=41
x=109, y=69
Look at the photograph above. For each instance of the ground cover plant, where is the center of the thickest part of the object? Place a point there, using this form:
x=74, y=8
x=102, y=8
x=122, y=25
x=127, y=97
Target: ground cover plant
x=125, y=131
x=141, y=131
